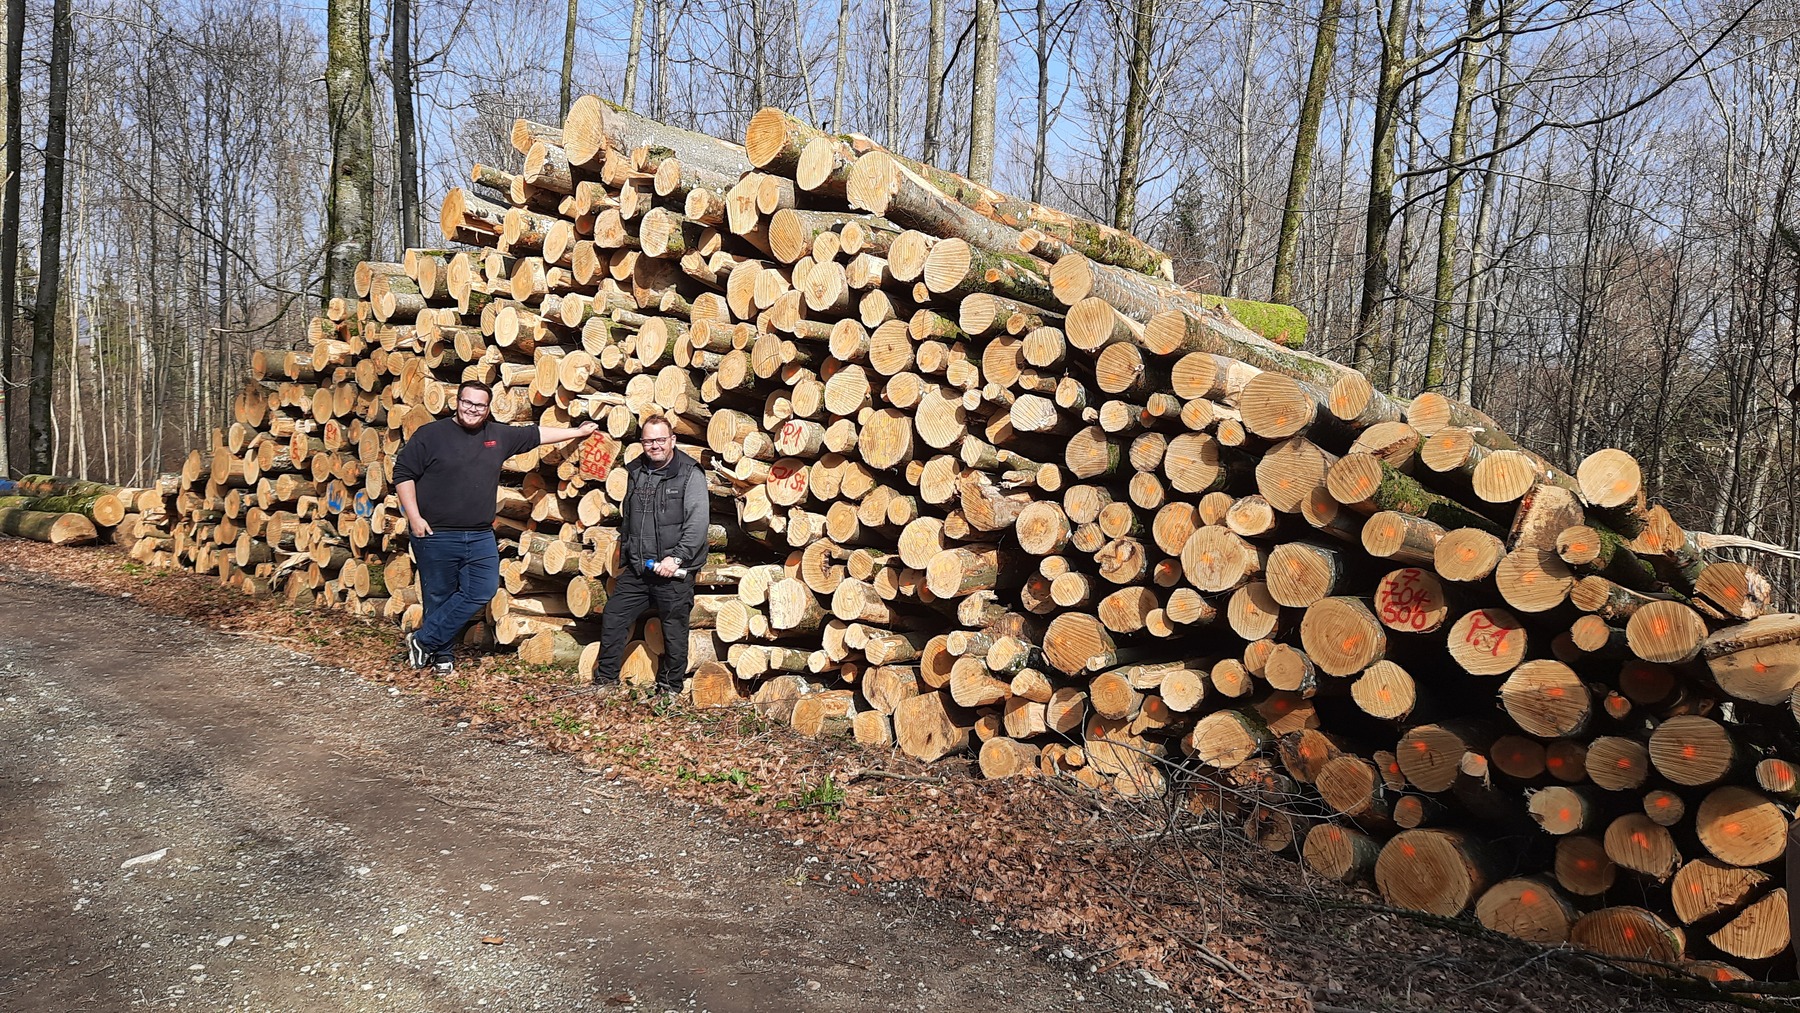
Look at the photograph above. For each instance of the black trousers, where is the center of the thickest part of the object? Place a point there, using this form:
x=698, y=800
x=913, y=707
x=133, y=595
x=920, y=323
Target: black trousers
x=633, y=592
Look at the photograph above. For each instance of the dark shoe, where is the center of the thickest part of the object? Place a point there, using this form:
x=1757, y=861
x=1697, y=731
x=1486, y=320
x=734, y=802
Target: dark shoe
x=416, y=654
x=443, y=669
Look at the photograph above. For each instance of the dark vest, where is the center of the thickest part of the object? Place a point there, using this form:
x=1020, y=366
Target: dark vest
x=653, y=508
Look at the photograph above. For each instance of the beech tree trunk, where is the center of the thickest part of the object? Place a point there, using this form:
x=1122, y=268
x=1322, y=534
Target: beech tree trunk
x=9, y=223
x=350, y=205
x=49, y=279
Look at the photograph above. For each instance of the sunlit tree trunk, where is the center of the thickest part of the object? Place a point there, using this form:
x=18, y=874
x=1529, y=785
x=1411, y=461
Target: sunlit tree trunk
x=1444, y=282
x=1306, y=141
x=632, y=50
x=1380, y=213
x=1240, y=243
x=934, y=81
x=564, y=94
x=985, y=93
x=1475, y=302
x=1137, y=105
x=843, y=66
x=893, y=74
x=350, y=208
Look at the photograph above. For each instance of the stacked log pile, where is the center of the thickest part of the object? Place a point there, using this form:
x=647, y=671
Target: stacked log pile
x=986, y=482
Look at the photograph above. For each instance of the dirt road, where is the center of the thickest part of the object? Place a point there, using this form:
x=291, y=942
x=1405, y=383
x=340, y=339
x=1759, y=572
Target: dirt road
x=193, y=820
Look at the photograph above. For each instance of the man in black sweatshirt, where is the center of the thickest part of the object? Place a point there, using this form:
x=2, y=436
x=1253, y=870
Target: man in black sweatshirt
x=446, y=477
x=662, y=543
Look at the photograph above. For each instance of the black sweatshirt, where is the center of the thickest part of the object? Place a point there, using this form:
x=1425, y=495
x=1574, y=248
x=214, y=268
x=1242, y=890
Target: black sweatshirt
x=457, y=471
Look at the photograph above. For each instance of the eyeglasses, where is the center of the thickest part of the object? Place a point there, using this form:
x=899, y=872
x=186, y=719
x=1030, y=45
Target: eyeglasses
x=653, y=442
x=479, y=405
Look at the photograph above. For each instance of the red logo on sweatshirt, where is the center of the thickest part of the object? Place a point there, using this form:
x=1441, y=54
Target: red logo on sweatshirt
x=491, y=443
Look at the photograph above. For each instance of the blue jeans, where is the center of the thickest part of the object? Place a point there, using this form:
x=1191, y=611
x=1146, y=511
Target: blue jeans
x=459, y=571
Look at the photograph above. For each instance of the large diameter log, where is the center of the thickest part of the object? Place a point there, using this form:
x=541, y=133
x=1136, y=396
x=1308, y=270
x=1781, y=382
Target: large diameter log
x=1741, y=827
x=1076, y=642
x=1665, y=631
x=1530, y=908
x=54, y=528
x=1547, y=699
x=1342, y=636
x=926, y=727
x=1440, y=872
x=1706, y=887
x=1693, y=750
x=1758, y=932
x=1757, y=661
x=1624, y=933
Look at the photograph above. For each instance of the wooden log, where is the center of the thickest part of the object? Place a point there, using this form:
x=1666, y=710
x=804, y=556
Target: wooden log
x=1340, y=853
x=1739, y=826
x=1342, y=635
x=1439, y=872
x=1757, y=661
x=1623, y=933
x=1530, y=908
x=53, y=528
x=926, y=727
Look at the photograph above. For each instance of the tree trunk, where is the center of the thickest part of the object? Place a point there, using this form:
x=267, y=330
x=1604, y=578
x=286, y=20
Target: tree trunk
x=565, y=95
x=43, y=322
x=986, y=90
x=9, y=223
x=1474, y=303
x=934, y=84
x=406, y=142
x=632, y=51
x=1240, y=243
x=1287, y=250
x=1444, y=288
x=1137, y=104
x=1369, y=339
x=843, y=65
x=1041, y=140
x=350, y=207
x=893, y=74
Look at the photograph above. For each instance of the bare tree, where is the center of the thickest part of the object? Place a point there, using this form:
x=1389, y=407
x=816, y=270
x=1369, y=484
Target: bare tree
x=1378, y=219
x=564, y=93
x=934, y=81
x=632, y=51
x=10, y=224
x=1306, y=142
x=350, y=207
x=842, y=67
x=1137, y=104
x=1450, y=215
x=406, y=143
x=49, y=280
x=985, y=91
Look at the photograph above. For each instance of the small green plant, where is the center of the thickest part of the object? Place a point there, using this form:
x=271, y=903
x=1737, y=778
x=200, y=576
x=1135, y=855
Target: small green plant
x=134, y=568
x=734, y=777
x=567, y=723
x=751, y=723
x=827, y=795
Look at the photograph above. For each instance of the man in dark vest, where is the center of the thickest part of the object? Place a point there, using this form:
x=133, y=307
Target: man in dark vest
x=446, y=478
x=662, y=542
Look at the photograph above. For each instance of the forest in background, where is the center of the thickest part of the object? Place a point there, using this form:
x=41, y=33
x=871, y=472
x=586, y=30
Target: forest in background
x=1576, y=215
